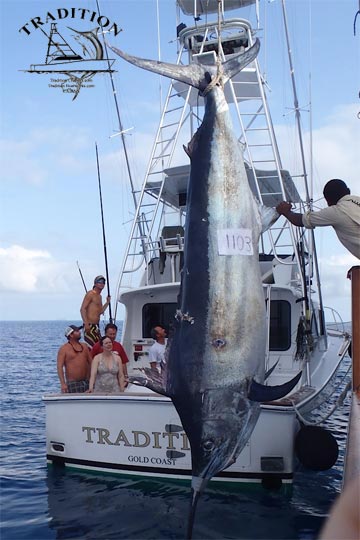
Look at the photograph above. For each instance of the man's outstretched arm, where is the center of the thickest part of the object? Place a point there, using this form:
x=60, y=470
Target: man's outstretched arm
x=284, y=209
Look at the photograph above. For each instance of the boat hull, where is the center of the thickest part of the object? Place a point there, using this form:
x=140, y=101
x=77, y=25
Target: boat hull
x=142, y=435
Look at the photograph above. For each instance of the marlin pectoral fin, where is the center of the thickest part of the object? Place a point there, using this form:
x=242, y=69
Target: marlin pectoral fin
x=152, y=379
x=269, y=371
x=260, y=392
x=268, y=216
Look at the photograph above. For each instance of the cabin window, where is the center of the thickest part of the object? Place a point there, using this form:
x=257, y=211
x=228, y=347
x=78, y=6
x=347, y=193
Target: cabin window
x=280, y=325
x=157, y=315
x=280, y=321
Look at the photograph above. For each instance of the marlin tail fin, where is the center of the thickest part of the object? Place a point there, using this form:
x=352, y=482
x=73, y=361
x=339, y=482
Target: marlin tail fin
x=194, y=74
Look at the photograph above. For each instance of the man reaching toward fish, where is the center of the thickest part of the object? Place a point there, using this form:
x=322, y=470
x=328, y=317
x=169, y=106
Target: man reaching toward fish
x=343, y=214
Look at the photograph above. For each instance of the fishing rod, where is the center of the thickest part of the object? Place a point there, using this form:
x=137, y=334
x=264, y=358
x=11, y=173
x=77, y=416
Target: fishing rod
x=81, y=275
x=103, y=230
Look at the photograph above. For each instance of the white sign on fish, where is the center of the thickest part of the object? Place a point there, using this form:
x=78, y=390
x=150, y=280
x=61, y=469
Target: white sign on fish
x=235, y=242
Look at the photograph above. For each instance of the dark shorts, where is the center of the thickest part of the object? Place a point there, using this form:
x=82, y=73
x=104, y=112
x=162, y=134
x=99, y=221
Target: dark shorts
x=77, y=387
x=92, y=336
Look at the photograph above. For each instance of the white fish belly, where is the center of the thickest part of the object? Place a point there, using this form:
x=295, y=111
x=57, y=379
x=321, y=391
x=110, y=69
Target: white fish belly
x=235, y=347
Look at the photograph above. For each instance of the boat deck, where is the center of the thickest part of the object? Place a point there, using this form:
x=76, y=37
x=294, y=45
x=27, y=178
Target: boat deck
x=295, y=398
x=290, y=401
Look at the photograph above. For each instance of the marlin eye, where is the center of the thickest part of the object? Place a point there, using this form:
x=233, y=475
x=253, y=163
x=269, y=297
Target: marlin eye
x=208, y=445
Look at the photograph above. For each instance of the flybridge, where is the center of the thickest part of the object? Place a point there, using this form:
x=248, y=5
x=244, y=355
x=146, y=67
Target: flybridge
x=201, y=7
x=71, y=13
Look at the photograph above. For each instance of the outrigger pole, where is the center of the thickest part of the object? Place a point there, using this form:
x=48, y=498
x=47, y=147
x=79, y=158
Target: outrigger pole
x=103, y=230
x=309, y=200
x=121, y=132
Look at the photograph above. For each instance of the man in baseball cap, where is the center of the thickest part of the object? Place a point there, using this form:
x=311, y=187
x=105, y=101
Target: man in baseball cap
x=73, y=362
x=99, y=279
x=91, y=309
x=72, y=328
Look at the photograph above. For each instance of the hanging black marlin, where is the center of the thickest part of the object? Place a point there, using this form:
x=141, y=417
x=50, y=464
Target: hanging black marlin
x=216, y=357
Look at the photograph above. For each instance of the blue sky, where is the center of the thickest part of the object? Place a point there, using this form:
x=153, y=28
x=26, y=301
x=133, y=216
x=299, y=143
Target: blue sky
x=50, y=215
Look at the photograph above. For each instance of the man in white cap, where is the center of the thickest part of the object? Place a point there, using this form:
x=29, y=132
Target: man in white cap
x=73, y=362
x=91, y=309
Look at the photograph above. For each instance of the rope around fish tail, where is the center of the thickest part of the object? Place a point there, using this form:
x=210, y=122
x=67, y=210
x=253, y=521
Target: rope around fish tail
x=216, y=79
x=220, y=50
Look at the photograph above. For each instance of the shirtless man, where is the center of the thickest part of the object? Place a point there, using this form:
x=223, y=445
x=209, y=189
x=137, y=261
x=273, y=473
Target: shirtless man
x=73, y=362
x=91, y=309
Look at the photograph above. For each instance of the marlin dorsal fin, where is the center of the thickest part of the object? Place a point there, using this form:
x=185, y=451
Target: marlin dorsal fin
x=150, y=378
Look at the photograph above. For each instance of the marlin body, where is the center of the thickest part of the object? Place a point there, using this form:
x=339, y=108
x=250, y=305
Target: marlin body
x=220, y=338
x=216, y=356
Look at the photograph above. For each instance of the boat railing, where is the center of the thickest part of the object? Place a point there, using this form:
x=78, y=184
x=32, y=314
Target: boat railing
x=203, y=38
x=337, y=325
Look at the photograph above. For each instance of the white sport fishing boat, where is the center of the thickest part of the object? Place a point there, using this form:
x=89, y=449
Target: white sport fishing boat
x=139, y=432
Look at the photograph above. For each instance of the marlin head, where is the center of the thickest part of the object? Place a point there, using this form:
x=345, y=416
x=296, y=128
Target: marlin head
x=196, y=75
x=219, y=435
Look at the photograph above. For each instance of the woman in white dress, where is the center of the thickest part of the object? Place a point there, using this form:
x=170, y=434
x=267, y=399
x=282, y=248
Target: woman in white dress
x=106, y=370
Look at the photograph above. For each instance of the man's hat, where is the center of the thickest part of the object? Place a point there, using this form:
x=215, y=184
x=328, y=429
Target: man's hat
x=98, y=279
x=72, y=328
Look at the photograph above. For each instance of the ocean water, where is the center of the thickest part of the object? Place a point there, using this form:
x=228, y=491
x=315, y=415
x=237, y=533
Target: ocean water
x=45, y=502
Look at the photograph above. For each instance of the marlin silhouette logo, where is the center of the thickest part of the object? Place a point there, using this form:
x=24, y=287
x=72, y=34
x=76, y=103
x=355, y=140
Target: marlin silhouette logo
x=79, y=67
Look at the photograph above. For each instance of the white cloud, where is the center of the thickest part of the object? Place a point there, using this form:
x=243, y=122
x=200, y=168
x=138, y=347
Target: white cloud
x=336, y=287
x=335, y=149
x=335, y=268
x=31, y=270
x=336, y=146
